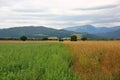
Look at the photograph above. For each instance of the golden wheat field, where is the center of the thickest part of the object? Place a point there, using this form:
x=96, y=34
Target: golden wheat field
x=96, y=60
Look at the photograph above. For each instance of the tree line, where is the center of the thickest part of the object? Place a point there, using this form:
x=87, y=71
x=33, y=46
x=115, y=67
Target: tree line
x=72, y=38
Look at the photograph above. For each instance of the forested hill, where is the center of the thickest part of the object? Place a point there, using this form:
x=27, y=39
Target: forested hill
x=33, y=32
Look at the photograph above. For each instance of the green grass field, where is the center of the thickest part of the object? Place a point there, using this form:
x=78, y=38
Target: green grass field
x=35, y=61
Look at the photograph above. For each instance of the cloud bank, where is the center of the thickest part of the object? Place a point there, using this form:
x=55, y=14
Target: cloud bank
x=59, y=13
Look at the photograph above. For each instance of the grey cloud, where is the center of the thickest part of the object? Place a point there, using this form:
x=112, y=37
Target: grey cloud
x=30, y=10
x=112, y=20
x=4, y=3
x=71, y=18
x=23, y=15
x=98, y=8
x=58, y=17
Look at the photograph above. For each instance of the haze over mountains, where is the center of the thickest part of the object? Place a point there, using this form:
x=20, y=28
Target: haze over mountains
x=105, y=32
x=115, y=34
x=92, y=29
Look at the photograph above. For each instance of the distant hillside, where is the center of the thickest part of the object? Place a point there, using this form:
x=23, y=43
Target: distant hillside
x=39, y=32
x=106, y=33
x=89, y=29
x=33, y=32
x=112, y=34
x=115, y=28
x=92, y=36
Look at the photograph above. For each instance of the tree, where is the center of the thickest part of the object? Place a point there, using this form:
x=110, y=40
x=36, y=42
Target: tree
x=23, y=38
x=45, y=39
x=73, y=38
x=84, y=38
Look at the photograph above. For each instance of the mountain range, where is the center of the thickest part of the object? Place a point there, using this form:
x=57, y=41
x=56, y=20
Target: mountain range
x=40, y=32
x=105, y=32
x=111, y=35
x=33, y=32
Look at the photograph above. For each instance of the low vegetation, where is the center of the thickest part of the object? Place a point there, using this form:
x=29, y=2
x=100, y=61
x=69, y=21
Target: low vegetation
x=96, y=60
x=23, y=38
x=83, y=38
x=73, y=38
x=31, y=61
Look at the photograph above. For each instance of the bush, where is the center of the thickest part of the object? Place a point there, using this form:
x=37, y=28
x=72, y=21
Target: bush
x=45, y=39
x=84, y=38
x=23, y=38
x=73, y=38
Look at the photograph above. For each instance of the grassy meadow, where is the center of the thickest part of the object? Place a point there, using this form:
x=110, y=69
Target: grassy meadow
x=96, y=60
x=80, y=60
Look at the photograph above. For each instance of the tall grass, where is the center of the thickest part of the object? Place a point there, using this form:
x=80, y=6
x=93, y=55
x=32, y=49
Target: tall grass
x=49, y=61
x=96, y=60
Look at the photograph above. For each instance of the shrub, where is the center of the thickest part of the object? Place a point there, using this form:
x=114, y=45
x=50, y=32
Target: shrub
x=23, y=38
x=84, y=38
x=45, y=39
x=73, y=38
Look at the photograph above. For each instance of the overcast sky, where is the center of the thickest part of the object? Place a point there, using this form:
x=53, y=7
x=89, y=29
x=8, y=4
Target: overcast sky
x=59, y=13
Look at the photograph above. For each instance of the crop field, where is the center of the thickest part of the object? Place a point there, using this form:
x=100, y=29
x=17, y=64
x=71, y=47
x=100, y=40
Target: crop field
x=80, y=60
x=35, y=61
x=96, y=60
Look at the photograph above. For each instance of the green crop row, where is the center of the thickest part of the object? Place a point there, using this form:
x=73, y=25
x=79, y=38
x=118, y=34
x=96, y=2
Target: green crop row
x=35, y=62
